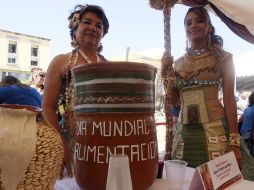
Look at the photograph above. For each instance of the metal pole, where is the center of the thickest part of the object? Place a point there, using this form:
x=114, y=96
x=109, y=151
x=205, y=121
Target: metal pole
x=127, y=53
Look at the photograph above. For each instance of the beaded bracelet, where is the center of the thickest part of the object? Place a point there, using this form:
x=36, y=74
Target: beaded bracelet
x=234, y=139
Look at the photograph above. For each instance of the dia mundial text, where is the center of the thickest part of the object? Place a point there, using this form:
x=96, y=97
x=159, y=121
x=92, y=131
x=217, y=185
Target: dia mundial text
x=114, y=128
x=135, y=135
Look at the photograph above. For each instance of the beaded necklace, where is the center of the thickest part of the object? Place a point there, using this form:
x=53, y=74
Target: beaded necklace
x=197, y=52
x=73, y=59
x=86, y=58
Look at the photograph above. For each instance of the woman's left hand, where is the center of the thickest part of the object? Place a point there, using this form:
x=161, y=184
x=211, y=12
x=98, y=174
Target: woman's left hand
x=237, y=152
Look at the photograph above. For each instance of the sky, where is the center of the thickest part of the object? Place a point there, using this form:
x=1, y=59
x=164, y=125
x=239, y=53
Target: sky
x=133, y=24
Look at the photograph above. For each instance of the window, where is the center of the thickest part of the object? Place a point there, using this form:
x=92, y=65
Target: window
x=12, y=53
x=4, y=74
x=34, y=55
x=34, y=51
x=11, y=60
x=12, y=47
x=34, y=63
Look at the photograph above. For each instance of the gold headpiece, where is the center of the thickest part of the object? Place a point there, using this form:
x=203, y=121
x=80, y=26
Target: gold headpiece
x=74, y=21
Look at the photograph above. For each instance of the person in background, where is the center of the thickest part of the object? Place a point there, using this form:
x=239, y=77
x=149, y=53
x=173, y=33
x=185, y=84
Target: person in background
x=208, y=129
x=247, y=119
x=244, y=101
x=12, y=91
x=37, y=79
x=88, y=25
x=175, y=112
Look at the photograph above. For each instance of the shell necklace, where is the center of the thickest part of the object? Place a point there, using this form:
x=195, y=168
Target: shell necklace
x=87, y=58
x=197, y=52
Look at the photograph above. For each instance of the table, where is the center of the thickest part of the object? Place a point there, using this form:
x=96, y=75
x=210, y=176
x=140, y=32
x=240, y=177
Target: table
x=70, y=183
x=159, y=184
x=245, y=184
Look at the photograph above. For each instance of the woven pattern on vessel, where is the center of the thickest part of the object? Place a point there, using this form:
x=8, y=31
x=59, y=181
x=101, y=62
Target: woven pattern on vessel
x=108, y=100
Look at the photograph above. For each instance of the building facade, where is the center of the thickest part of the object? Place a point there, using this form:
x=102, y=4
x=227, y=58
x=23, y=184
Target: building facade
x=19, y=53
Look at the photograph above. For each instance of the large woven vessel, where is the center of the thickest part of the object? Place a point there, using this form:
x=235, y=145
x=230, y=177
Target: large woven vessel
x=114, y=109
x=34, y=160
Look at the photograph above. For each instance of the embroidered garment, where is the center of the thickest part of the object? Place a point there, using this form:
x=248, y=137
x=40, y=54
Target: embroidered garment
x=202, y=131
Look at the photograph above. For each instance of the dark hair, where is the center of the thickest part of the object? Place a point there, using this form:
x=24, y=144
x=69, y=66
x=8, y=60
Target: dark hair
x=251, y=99
x=83, y=9
x=202, y=13
x=11, y=80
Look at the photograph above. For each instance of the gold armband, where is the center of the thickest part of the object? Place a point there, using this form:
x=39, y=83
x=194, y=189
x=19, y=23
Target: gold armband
x=234, y=139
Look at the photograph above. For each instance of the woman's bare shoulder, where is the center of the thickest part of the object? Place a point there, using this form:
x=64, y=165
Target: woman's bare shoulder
x=59, y=63
x=60, y=59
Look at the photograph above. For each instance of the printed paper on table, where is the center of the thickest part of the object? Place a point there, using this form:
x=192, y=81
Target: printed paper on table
x=219, y=174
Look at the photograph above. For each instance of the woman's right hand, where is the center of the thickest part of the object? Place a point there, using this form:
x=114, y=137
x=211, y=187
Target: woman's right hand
x=237, y=153
x=66, y=162
x=166, y=64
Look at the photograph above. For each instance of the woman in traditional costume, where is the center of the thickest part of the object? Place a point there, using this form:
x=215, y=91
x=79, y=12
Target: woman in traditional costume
x=88, y=24
x=206, y=128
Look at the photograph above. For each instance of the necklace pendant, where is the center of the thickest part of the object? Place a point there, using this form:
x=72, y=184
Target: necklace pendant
x=84, y=56
x=197, y=52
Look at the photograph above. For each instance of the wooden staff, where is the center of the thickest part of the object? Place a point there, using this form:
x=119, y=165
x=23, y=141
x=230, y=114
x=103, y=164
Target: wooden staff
x=168, y=82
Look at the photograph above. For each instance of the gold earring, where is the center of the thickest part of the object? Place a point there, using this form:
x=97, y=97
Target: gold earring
x=187, y=43
x=100, y=48
x=74, y=43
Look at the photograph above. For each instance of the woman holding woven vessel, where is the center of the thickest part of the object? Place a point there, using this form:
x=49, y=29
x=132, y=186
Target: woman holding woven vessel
x=88, y=24
x=206, y=129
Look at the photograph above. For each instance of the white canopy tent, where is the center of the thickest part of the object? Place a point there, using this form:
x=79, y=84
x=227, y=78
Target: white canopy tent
x=241, y=11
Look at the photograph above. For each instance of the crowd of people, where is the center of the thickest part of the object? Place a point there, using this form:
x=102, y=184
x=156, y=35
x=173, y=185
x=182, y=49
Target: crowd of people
x=205, y=129
x=12, y=91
